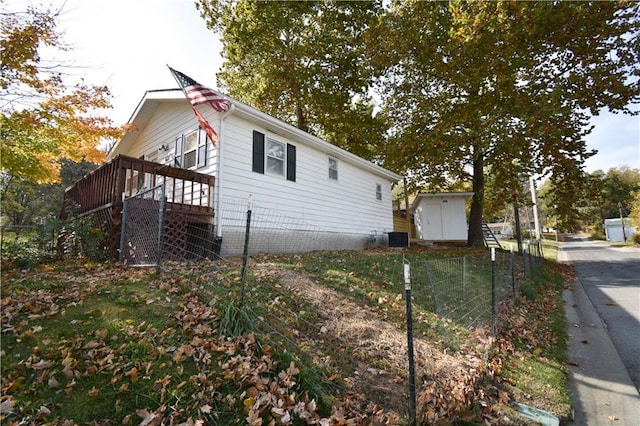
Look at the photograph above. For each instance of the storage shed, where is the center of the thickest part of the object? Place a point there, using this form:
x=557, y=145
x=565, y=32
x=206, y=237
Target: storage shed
x=613, y=230
x=441, y=217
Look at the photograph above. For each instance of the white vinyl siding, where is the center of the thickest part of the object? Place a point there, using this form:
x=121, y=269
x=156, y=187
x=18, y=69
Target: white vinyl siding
x=168, y=121
x=346, y=207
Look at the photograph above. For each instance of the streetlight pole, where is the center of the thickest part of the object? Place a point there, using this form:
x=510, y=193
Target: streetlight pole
x=624, y=234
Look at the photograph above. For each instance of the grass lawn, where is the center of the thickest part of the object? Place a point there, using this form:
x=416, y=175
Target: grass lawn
x=317, y=336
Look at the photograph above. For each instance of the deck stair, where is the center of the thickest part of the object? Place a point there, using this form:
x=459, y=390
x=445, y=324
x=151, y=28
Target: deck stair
x=490, y=239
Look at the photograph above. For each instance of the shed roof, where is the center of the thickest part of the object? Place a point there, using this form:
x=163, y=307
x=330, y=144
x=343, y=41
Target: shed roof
x=426, y=195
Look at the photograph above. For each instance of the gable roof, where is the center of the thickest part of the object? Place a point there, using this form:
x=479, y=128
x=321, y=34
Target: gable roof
x=153, y=98
x=423, y=195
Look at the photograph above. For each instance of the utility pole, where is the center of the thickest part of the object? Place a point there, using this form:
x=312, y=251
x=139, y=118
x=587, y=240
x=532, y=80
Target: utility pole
x=624, y=233
x=534, y=200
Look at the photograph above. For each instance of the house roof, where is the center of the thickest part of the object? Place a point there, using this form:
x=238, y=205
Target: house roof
x=423, y=195
x=153, y=98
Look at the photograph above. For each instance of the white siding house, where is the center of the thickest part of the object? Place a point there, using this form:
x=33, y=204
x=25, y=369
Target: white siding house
x=287, y=172
x=441, y=216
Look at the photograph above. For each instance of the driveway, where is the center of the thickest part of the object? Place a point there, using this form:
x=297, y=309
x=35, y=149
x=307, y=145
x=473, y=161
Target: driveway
x=603, y=311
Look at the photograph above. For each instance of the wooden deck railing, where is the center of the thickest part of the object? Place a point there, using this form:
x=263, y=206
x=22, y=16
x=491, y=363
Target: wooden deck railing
x=124, y=176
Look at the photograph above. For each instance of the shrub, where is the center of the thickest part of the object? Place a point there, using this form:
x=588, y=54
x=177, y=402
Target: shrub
x=72, y=238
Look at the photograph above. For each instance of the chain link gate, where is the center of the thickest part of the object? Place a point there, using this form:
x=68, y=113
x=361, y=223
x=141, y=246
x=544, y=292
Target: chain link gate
x=142, y=228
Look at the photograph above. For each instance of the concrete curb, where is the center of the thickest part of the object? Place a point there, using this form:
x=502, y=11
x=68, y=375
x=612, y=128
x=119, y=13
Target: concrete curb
x=601, y=390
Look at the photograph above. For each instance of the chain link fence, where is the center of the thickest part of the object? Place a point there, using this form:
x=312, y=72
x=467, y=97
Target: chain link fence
x=142, y=228
x=188, y=237
x=466, y=291
x=301, y=318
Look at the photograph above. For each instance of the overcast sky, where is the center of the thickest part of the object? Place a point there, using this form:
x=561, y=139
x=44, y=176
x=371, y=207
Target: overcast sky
x=127, y=45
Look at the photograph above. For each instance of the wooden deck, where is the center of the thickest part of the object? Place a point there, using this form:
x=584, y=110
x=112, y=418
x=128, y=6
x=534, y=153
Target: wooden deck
x=100, y=194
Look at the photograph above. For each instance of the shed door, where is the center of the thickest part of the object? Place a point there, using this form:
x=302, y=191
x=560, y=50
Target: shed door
x=452, y=221
x=432, y=218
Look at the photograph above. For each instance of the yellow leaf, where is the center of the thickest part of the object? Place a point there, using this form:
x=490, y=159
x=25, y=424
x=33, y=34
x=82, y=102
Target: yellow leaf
x=93, y=392
x=249, y=402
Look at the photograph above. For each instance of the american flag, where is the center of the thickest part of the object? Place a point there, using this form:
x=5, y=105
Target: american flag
x=198, y=94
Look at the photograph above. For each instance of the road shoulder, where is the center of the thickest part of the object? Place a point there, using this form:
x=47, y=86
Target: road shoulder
x=601, y=390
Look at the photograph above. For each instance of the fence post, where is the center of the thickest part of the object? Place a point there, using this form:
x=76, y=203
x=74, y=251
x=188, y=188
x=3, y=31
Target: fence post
x=123, y=229
x=412, y=374
x=524, y=261
x=161, y=213
x=245, y=252
x=512, y=267
x=494, y=319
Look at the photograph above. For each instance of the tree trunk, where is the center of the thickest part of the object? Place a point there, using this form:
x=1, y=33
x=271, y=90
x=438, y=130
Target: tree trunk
x=302, y=121
x=475, y=237
x=516, y=217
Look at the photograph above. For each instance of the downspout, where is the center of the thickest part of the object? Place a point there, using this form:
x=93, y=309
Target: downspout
x=219, y=174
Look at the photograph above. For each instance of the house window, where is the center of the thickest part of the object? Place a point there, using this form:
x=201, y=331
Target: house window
x=378, y=191
x=273, y=157
x=191, y=150
x=333, y=169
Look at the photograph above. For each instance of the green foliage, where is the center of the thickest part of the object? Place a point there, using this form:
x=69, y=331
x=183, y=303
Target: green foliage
x=494, y=90
x=234, y=320
x=21, y=254
x=71, y=238
x=634, y=215
x=303, y=62
x=81, y=237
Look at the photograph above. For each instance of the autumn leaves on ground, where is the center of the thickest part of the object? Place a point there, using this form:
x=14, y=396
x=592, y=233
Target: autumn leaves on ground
x=316, y=339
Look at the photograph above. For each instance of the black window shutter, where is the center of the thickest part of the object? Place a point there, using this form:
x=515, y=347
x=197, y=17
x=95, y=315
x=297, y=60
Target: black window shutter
x=291, y=162
x=258, y=152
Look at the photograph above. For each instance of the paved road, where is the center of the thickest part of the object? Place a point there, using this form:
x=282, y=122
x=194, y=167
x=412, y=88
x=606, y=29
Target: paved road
x=603, y=311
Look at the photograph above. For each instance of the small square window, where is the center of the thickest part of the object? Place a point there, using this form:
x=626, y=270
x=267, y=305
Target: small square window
x=378, y=191
x=275, y=157
x=333, y=169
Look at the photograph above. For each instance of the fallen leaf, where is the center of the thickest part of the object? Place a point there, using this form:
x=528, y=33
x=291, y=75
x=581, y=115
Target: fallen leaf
x=7, y=406
x=132, y=374
x=43, y=412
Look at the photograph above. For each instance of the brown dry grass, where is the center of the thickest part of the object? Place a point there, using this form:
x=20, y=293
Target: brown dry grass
x=384, y=375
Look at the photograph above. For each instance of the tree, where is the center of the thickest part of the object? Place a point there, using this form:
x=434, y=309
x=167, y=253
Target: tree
x=25, y=202
x=497, y=90
x=42, y=117
x=604, y=197
x=303, y=62
x=634, y=215
x=612, y=193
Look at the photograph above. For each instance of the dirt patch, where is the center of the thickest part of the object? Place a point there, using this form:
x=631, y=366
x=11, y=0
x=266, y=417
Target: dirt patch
x=380, y=347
